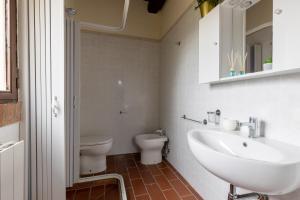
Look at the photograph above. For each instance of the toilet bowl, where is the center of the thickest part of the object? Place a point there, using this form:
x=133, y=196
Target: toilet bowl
x=151, y=146
x=93, y=151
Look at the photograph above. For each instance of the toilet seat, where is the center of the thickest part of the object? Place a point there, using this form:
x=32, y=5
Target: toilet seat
x=92, y=140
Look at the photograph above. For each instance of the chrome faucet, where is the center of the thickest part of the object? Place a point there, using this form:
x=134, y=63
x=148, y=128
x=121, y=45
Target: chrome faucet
x=161, y=132
x=254, y=125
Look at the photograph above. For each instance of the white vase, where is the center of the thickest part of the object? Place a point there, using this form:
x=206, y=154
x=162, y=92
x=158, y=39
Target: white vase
x=267, y=66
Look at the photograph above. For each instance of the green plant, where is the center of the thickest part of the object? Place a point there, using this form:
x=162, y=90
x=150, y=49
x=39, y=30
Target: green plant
x=269, y=60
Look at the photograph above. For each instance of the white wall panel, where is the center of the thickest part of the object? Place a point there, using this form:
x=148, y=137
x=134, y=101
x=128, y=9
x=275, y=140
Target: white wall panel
x=7, y=174
x=19, y=171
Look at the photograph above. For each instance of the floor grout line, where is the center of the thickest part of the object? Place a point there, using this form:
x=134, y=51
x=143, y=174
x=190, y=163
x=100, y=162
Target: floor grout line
x=169, y=181
x=192, y=193
x=142, y=172
x=172, y=188
x=142, y=181
x=155, y=183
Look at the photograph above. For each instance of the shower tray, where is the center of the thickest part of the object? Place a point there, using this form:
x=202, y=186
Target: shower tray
x=108, y=178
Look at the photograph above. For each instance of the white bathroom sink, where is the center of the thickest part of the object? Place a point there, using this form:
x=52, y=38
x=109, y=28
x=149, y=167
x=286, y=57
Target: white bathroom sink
x=260, y=165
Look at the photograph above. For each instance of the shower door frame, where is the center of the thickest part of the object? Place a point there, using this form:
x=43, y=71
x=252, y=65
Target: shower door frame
x=73, y=102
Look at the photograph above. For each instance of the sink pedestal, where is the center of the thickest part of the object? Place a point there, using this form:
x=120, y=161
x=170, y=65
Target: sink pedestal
x=232, y=195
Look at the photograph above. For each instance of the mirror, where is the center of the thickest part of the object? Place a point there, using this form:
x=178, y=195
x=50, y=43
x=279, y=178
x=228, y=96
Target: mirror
x=251, y=48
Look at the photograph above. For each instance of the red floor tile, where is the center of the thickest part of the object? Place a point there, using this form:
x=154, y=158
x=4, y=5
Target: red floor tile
x=162, y=182
x=180, y=188
x=70, y=194
x=154, y=170
x=82, y=194
x=142, y=182
x=141, y=167
x=129, y=193
x=155, y=192
x=126, y=180
x=97, y=192
x=169, y=173
x=130, y=163
x=133, y=173
x=138, y=187
x=189, y=198
x=143, y=197
x=147, y=177
x=111, y=164
x=112, y=192
x=171, y=195
x=120, y=166
x=162, y=165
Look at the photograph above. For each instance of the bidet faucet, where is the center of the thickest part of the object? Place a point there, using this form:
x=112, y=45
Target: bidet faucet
x=161, y=132
x=254, y=125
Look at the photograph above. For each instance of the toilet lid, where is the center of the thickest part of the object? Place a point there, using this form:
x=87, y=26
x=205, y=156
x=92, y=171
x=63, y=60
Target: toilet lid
x=94, y=140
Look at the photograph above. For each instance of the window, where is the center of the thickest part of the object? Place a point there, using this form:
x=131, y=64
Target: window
x=8, y=51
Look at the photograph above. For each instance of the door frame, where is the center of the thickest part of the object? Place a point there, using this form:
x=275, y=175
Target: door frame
x=73, y=101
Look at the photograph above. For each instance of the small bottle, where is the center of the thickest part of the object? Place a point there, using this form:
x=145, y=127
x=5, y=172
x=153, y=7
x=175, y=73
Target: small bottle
x=242, y=71
x=232, y=72
x=243, y=60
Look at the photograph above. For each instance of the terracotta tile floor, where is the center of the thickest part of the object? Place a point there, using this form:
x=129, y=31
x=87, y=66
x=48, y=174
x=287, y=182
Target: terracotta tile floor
x=154, y=182
x=97, y=190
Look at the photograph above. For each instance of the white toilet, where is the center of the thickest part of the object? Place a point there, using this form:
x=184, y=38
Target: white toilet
x=93, y=151
x=151, y=146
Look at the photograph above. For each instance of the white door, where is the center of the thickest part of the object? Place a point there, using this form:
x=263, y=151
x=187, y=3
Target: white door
x=209, y=31
x=58, y=79
x=47, y=99
x=286, y=41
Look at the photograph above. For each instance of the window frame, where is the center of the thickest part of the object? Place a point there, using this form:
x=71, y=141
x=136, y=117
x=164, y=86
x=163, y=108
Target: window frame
x=11, y=56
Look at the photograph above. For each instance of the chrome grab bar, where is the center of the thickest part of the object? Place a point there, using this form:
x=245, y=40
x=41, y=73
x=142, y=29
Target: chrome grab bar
x=204, y=122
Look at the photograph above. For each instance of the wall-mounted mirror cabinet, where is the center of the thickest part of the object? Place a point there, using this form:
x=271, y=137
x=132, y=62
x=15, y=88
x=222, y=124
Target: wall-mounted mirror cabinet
x=245, y=39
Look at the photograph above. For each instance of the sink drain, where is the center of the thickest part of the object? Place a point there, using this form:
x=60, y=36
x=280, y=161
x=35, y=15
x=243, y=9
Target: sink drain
x=263, y=197
x=245, y=144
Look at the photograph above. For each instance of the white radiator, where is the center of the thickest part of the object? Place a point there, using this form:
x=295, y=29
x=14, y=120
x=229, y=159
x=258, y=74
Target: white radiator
x=12, y=171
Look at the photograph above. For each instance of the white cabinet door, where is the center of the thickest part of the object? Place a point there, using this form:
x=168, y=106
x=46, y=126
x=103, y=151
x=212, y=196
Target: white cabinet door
x=286, y=33
x=209, y=61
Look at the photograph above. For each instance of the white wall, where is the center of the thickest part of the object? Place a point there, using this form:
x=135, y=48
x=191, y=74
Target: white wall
x=276, y=100
x=10, y=133
x=106, y=59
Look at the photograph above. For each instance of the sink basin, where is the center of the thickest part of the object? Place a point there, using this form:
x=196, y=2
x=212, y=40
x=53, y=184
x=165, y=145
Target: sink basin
x=261, y=165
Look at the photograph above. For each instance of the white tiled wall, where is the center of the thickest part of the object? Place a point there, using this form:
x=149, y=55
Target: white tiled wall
x=275, y=100
x=106, y=60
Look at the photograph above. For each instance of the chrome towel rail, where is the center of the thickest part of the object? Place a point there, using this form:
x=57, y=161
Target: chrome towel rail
x=204, y=122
